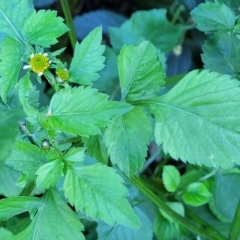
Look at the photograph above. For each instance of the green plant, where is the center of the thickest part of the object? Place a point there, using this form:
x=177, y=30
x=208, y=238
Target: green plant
x=69, y=163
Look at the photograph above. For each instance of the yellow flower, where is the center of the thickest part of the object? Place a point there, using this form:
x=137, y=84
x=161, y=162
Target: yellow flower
x=38, y=63
x=62, y=75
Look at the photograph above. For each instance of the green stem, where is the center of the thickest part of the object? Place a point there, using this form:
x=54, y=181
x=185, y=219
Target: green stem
x=214, y=235
x=235, y=227
x=27, y=189
x=68, y=18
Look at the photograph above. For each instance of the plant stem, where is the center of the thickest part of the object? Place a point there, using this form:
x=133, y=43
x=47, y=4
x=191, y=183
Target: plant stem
x=68, y=18
x=27, y=189
x=212, y=235
x=235, y=227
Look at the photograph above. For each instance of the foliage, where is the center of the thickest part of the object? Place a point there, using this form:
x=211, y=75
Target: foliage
x=95, y=159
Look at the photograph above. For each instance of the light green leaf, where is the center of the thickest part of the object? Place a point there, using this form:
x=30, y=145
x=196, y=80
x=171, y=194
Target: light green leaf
x=97, y=184
x=225, y=195
x=5, y=234
x=164, y=229
x=8, y=180
x=140, y=72
x=11, y=53
x=49, y=174
x=87, y=59
x=149, y=25
x=82, y=111
x=233, y=4
x=75, y=155
x=12, y=206
x=171, y=178
x=54, y=220
x=118, y=232
x=43, y=27
x=26, y=158
x=199, y=116
x=8, y=122
x=222, y=54
x=12, y=15
x=127, y=138
x=96, y=148
x=196, y=194
x=176, y=207
x=212, y=17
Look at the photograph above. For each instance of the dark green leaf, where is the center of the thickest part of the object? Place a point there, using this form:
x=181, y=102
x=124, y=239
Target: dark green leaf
x=171, y=178
x=140, y=72
x=82, y=111
x=97, y=184
x=43, y=27
x=199, y=116
x=54, y=220
x=87, y=59
x=222, y=54
x=212, y=17
x=127, y=138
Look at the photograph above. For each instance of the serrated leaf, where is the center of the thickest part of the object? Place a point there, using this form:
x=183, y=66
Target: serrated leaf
x=12, y=206
x=82, y=111
x=171, y=178
x=54, y=220
x=233, y=4
x=118, y=232
x=75, y=155
x=211, y=17
x=26, y=158
x=11, y=53
x=97, y=184
x=11, y=23
x=96, y=148
x=127, y=138
x=87, y=59
x=196, y=194
x=49, y=174
x=140, y=72
x=222, y=54
x=225, y=195
x=43, y=28
x=146, y=25
x=198, y=119
x=8, y=122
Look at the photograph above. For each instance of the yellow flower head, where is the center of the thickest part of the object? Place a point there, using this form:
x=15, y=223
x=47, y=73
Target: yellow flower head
x=38, y=63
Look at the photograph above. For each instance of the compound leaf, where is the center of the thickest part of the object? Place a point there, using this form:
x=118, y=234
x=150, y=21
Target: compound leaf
x=97, y=184
x=82, y=111
x=140, y=72
x=43, y=27
x=87, y=59
x=127, y=138
x=198, y=119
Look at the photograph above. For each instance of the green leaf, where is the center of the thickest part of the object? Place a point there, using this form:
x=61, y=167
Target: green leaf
x=222, y=54
x=171, y=178
x=87, y=59
x=196, y=194
x=233, y=4
x=49, y=174
x=212, y=17
x=26, y=158
x=97, y=184
x=12, y=15
x=119, y=232
x=12, y=206
x=54, y=220
x=8, y=180
x=127, y=138
x=5, y=234
x=146, y=25
x=96, y=148
x=11, y=53
x=43, y=27
x=199, y=116
x=82, y=111
x=176, y=207
x=75, y=155
x=140, y=72
x=164, y=229
x=8, y=122
x=225, y=195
